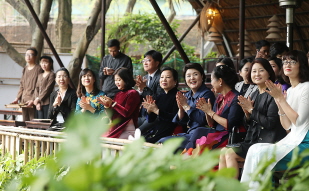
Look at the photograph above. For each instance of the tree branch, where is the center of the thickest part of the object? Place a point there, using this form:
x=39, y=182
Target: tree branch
x=11, y=51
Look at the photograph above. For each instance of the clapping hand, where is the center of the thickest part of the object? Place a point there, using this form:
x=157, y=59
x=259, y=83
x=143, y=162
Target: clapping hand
x=246, y=104
x=149, y=104
x=181, y=100
x=58, y=100
x=204, y=105
x=140, y=82
x=106, y=101
x=275, y=90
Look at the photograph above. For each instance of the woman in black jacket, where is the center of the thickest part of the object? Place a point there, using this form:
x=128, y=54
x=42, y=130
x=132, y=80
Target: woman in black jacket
x=261, y=117
x=64, y=99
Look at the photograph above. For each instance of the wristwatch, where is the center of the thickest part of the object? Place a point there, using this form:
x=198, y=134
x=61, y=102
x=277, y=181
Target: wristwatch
x=185, y=107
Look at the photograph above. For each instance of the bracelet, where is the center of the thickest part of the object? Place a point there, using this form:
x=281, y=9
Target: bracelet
x=212, y=115
x=114, y=104
x=281, y=115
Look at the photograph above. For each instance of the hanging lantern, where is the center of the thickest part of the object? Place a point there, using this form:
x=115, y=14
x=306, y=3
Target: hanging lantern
x=273, y=31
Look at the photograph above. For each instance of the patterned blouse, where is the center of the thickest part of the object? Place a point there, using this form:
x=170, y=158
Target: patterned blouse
x=99, y=108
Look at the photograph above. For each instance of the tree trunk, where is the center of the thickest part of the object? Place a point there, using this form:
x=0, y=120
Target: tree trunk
x=11, y=51
x=21, y=8
x=37, y=6
x=130, y=6
x=92, y=28
x=37, y=37
x=173, y=12
x=64, y=26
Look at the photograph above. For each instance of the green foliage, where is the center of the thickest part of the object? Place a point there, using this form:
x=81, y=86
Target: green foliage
x=79, y=166
x=14, y=170
x=141, y=29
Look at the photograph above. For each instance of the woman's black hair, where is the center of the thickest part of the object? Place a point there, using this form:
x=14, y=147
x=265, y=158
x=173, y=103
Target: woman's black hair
x=63, y=69
x=157, y=56
x=126, y=75
x=302, y=59
x=195, y=66
x=278, y=62
x=227, y=74
x=226, y=61
x=243, y=62
x=174, y=73
x=266, y=65
x=81, y=90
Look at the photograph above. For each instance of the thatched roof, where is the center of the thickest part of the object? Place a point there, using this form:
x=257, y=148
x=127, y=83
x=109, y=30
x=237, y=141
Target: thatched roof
x=257, y=14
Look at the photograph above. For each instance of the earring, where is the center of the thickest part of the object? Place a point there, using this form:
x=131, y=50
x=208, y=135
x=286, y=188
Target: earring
x=220, y=85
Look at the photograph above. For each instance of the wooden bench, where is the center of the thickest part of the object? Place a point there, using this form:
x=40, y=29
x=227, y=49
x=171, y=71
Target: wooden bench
x=8, y=113
x=7, y=122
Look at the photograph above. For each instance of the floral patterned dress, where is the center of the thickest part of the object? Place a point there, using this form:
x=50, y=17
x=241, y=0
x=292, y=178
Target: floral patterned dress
x=99, y=108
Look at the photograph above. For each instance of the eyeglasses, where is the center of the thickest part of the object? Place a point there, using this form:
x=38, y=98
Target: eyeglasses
x=30, y=55
x=145, y=60
x=292, y=62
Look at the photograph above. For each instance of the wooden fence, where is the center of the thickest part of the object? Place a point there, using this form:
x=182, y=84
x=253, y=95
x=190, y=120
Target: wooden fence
x=38, y=143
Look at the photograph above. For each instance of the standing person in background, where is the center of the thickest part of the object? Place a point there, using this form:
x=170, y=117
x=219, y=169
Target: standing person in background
x=44, y=87
x=63, y=100
x=88, y=94
x=245, y=88
x=28, y=84
x=152, y=63
x=110, y=63
x=278, y=49
x=262, y=49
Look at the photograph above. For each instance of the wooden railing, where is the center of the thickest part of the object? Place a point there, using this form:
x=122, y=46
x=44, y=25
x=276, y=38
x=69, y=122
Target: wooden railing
x=38, y=143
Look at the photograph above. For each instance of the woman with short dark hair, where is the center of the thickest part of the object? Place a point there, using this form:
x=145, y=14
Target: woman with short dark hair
x=63, y=100
x=161, y=111
x=123, y=110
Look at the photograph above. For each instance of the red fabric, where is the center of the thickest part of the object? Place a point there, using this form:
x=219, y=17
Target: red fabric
x=178, y=129
x=127, y=108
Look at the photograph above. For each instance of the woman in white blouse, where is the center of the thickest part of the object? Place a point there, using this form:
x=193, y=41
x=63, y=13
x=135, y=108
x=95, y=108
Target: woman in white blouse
x=293, y=112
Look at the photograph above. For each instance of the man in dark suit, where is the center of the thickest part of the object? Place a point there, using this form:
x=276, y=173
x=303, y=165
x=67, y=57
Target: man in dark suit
x=150, y=83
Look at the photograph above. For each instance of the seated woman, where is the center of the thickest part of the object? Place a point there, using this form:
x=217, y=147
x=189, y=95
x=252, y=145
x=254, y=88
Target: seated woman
x=44, y=87
x=160, y=112
x=124, y=109
x=276, y=64
x=261, y=117
x=188, y=115
x=63, y=100
x=88, y=94
x=225, y=113
x=245, y=88
x=293, y=113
